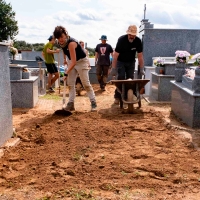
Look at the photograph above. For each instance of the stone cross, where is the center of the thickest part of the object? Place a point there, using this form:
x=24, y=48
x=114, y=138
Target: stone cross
x=144, y=10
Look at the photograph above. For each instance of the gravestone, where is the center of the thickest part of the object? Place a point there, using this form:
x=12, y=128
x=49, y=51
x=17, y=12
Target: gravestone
x=6, y=125
x=186, y=99
x=165, y=42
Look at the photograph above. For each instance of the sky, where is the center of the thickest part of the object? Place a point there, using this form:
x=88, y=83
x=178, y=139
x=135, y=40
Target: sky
x=87, y=20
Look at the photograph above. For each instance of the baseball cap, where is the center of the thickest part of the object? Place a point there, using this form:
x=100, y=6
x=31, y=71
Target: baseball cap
x=50, y=37
x=103, y=37
x=132, y=30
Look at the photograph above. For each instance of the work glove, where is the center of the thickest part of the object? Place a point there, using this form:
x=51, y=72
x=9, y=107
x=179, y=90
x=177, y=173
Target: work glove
x=113, y=72
x=65, y=77
x=142, y=72
x=96, y=64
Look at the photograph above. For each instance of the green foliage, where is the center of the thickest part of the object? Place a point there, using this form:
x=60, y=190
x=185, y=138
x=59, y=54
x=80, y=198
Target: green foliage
x=61, y=74
x=8, y=24
x=22, y=45
x=38, y=46
x=51, y=97
x=91, y=51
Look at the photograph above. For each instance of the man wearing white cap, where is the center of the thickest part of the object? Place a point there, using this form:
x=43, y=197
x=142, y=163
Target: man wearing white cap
x=123, y=62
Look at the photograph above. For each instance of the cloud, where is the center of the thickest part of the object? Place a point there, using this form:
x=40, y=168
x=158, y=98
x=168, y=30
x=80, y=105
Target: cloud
x=88, y=20
x=88, y=15
x=67, y=17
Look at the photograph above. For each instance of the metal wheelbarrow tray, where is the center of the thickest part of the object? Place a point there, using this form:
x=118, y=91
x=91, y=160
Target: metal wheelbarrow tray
x=130, y=91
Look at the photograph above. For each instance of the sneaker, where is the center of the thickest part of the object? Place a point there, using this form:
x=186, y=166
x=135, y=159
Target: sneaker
x=103, y=88
x=51, y=89
x=70, y=106
x=93, y=106
x=116, y=101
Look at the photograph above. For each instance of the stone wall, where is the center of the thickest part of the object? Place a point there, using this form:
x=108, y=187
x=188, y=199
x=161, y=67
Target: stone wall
x=6, y=125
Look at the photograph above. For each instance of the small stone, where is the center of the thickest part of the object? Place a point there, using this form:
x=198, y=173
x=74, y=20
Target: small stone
x=48, y=194
x=53, y=164
x=86, y=155
x=60, y=122
x=70, y=173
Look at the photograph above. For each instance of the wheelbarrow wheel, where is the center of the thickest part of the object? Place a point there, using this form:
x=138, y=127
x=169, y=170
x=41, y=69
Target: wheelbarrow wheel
x=130, y=99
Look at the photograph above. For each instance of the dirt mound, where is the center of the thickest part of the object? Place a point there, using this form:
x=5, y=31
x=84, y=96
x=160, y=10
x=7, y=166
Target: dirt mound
x=101, y=155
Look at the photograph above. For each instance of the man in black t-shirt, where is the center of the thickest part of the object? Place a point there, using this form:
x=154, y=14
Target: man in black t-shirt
x=123, y=63
x=102, y=61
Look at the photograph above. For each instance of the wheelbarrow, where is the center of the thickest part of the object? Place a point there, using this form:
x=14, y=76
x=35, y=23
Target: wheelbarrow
x=130, y=91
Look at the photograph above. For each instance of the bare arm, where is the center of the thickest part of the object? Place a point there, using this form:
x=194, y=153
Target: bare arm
x=86, y=52
x=43, y=54
x=72, y=46
x=114, y=61
x=141, y=60
x=112, y=54
x=53, y=51
x=96, y=57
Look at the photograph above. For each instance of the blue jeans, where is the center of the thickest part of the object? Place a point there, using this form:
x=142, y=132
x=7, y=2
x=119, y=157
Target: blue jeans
x=125, y=71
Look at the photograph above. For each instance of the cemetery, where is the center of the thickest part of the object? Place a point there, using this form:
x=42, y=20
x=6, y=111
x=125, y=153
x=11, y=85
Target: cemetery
x=110, y=152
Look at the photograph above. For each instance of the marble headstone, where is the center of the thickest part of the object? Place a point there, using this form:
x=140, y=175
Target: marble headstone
x=6, y=125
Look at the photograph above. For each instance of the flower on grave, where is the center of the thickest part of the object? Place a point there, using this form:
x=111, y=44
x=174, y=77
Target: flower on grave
x=159, y=62
x=196, y=57
x=13, y=51
x=190, y=73
x=182, y=56
x=25, y=69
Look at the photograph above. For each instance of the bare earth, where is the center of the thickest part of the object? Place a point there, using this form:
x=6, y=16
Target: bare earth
x=104, y=155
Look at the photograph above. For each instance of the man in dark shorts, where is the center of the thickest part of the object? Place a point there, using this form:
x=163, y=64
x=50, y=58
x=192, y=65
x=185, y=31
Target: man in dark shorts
x=48, y=55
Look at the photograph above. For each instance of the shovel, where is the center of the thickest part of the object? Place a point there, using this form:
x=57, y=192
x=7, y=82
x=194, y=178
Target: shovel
x=62, y=111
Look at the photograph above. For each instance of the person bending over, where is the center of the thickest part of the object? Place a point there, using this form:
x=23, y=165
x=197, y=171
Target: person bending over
x=77, y=64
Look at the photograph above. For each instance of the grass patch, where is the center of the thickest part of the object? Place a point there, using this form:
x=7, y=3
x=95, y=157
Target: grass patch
x=51, y=97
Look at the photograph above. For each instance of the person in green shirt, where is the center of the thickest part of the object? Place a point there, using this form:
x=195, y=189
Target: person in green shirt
x=48, y=55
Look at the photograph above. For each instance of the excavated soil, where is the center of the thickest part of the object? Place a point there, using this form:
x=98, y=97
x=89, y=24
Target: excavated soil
x=103, y=155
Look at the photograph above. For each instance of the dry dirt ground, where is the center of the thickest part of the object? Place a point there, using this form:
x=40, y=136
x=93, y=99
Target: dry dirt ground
x=104, y=155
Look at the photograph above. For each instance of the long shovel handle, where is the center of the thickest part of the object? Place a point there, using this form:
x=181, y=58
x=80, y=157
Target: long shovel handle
x=59, y=71
x=64, y=94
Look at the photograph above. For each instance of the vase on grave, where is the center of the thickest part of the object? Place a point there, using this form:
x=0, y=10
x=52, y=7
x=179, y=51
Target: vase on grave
x=160, y=70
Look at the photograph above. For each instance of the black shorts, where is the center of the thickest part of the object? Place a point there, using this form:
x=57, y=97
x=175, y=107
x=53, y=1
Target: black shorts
x=51, y=68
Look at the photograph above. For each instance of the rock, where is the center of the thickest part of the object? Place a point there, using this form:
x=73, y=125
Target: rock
x=60, y=122
x=70, y=173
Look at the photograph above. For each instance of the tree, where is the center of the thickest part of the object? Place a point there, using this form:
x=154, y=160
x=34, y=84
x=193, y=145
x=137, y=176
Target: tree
x=8, y=24
x=91, y=51
x=23, y=45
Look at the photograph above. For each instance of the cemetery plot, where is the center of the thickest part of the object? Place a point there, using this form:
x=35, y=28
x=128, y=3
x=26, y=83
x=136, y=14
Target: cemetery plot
x=102, y=155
